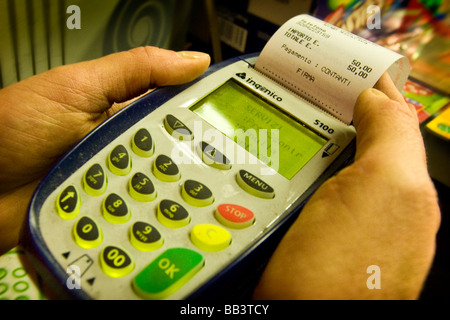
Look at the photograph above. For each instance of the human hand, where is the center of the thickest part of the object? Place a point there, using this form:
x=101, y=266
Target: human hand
x=382, y=210
x=42, y=117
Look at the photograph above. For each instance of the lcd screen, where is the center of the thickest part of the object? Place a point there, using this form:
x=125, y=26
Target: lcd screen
x=273, y=136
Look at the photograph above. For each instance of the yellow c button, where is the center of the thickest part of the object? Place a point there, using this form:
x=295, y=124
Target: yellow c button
x=210, y=238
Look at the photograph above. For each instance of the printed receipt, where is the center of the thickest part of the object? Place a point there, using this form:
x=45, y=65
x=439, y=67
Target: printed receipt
x=326, y=65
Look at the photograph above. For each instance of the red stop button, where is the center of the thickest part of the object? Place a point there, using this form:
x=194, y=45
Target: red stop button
x=234, y=216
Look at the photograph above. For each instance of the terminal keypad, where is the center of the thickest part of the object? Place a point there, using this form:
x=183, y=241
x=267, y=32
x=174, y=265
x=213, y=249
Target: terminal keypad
x=174, y=266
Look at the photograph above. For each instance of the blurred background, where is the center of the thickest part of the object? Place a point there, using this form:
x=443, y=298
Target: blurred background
x=36, y=35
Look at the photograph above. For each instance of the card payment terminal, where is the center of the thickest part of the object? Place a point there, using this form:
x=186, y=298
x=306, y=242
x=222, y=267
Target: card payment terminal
x=178, y=189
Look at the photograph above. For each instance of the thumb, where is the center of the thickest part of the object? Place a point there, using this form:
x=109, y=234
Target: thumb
x=387, y=132
x=96, y=84
x=64, y=104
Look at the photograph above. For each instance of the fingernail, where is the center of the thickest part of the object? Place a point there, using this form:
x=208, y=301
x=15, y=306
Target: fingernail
x=191, y=54
x=377, y=92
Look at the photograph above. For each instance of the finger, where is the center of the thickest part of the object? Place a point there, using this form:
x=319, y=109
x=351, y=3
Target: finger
x=381, y=114
x=385, y=84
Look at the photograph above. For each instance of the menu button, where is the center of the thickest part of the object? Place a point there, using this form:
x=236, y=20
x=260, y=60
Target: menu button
x=254, y=185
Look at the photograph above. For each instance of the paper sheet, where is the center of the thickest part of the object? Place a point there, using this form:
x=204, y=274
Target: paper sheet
x=326, y=65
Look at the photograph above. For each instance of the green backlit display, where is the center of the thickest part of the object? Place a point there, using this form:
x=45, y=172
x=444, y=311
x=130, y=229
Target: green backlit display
x=260, y=127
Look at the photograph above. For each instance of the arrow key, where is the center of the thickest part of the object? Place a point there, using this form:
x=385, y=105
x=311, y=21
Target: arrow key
x=213, y=157
x=177, y=129
x=68, y=203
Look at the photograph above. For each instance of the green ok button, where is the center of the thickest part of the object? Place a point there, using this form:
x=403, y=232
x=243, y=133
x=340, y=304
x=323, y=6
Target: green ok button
x=167, y=273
